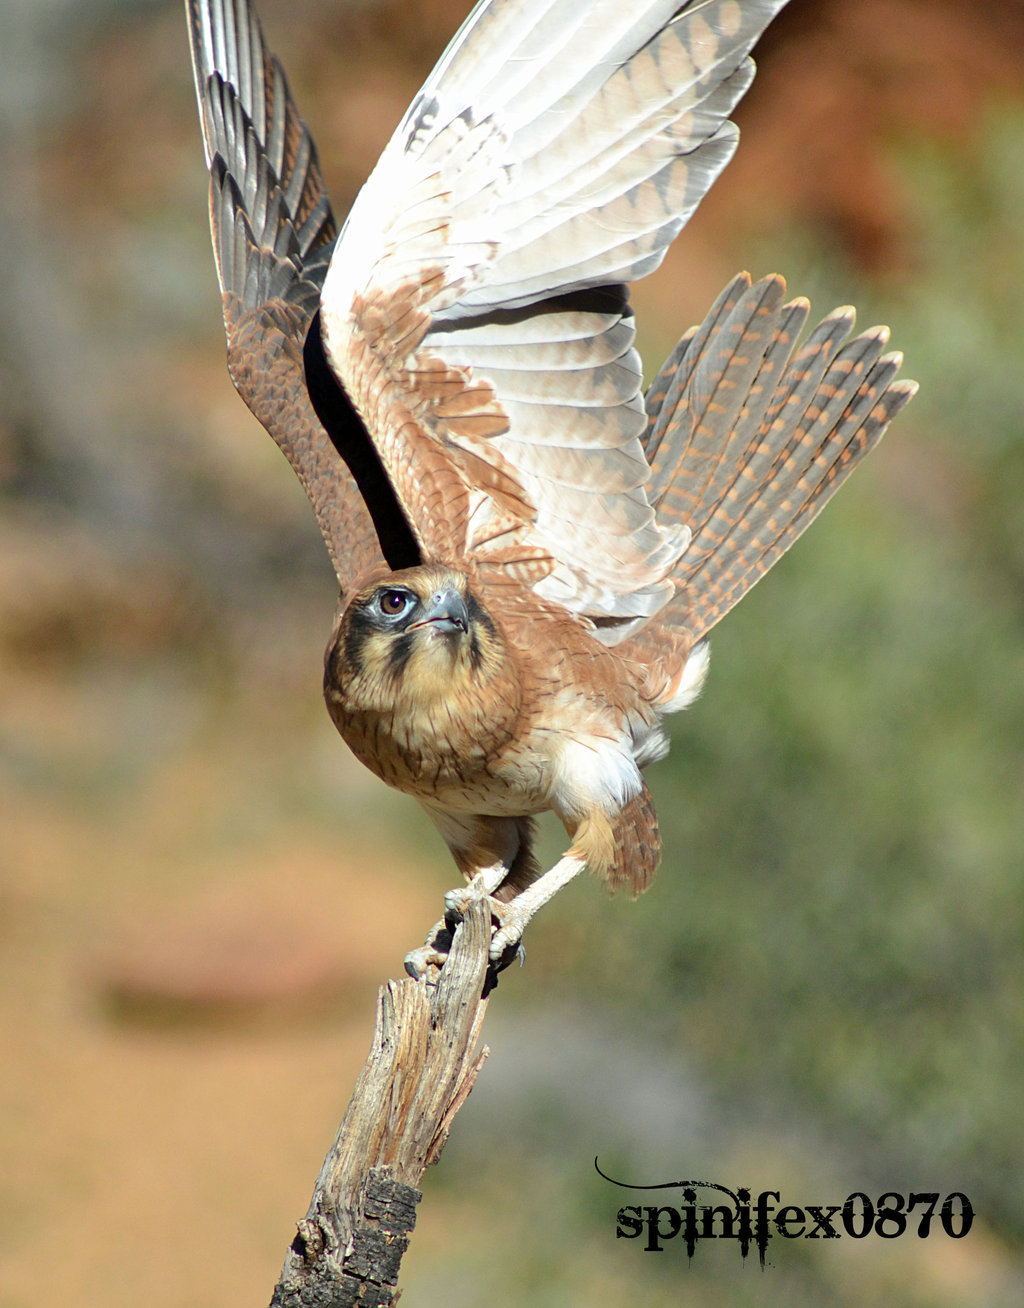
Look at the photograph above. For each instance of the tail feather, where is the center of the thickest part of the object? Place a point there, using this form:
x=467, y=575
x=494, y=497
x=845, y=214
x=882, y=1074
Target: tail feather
x=637, y=846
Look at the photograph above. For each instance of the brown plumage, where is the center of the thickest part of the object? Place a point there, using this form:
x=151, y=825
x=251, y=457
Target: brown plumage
x=530, y=551
x=481, y=712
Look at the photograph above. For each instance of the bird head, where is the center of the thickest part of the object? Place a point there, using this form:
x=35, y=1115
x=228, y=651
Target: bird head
x=415, y=636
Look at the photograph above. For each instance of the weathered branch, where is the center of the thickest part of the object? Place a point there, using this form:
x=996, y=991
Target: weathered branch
x=421, y=1067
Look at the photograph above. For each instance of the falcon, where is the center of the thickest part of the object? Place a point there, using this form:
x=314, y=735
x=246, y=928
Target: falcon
x=531, y=550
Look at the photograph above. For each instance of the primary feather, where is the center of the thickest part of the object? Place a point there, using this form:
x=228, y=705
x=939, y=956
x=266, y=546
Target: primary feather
x=273, y=233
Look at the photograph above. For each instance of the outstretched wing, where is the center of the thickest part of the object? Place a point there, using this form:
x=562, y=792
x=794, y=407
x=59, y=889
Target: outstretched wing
x=475, y=310
x=749, y=437
x=273, y=232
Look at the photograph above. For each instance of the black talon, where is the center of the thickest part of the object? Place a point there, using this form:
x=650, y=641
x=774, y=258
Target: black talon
x=509, y=956
x=442, y=941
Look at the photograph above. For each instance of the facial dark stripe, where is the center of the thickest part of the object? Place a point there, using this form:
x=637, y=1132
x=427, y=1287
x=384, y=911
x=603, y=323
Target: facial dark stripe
x=400, y=651
x=478, y=616
x=360, y=627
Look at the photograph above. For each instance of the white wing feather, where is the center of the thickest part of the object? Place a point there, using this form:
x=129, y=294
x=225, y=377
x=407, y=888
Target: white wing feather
x=557, y=149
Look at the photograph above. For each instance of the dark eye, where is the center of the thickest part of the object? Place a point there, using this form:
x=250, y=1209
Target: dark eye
x=393, y=603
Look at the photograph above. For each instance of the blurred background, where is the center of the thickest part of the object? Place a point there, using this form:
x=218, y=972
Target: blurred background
x=200, y=891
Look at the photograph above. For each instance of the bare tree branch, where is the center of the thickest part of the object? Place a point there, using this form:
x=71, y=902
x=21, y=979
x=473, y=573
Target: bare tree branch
x=421, y=1067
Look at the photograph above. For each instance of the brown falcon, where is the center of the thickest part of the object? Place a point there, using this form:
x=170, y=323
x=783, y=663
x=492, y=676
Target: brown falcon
x=531, y=551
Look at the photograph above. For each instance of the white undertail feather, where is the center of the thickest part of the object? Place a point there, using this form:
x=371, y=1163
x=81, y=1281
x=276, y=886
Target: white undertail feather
x=595, y=772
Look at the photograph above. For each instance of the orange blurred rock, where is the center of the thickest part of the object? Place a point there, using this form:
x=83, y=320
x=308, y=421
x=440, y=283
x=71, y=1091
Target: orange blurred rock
x=289, y=942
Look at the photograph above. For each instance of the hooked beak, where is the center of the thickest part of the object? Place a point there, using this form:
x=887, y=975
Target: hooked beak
x=446, y=610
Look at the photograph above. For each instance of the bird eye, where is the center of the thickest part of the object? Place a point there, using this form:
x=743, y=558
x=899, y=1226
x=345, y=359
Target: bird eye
x=392, y=603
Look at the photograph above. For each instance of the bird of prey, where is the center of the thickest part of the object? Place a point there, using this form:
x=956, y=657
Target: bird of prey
x=531, y=550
